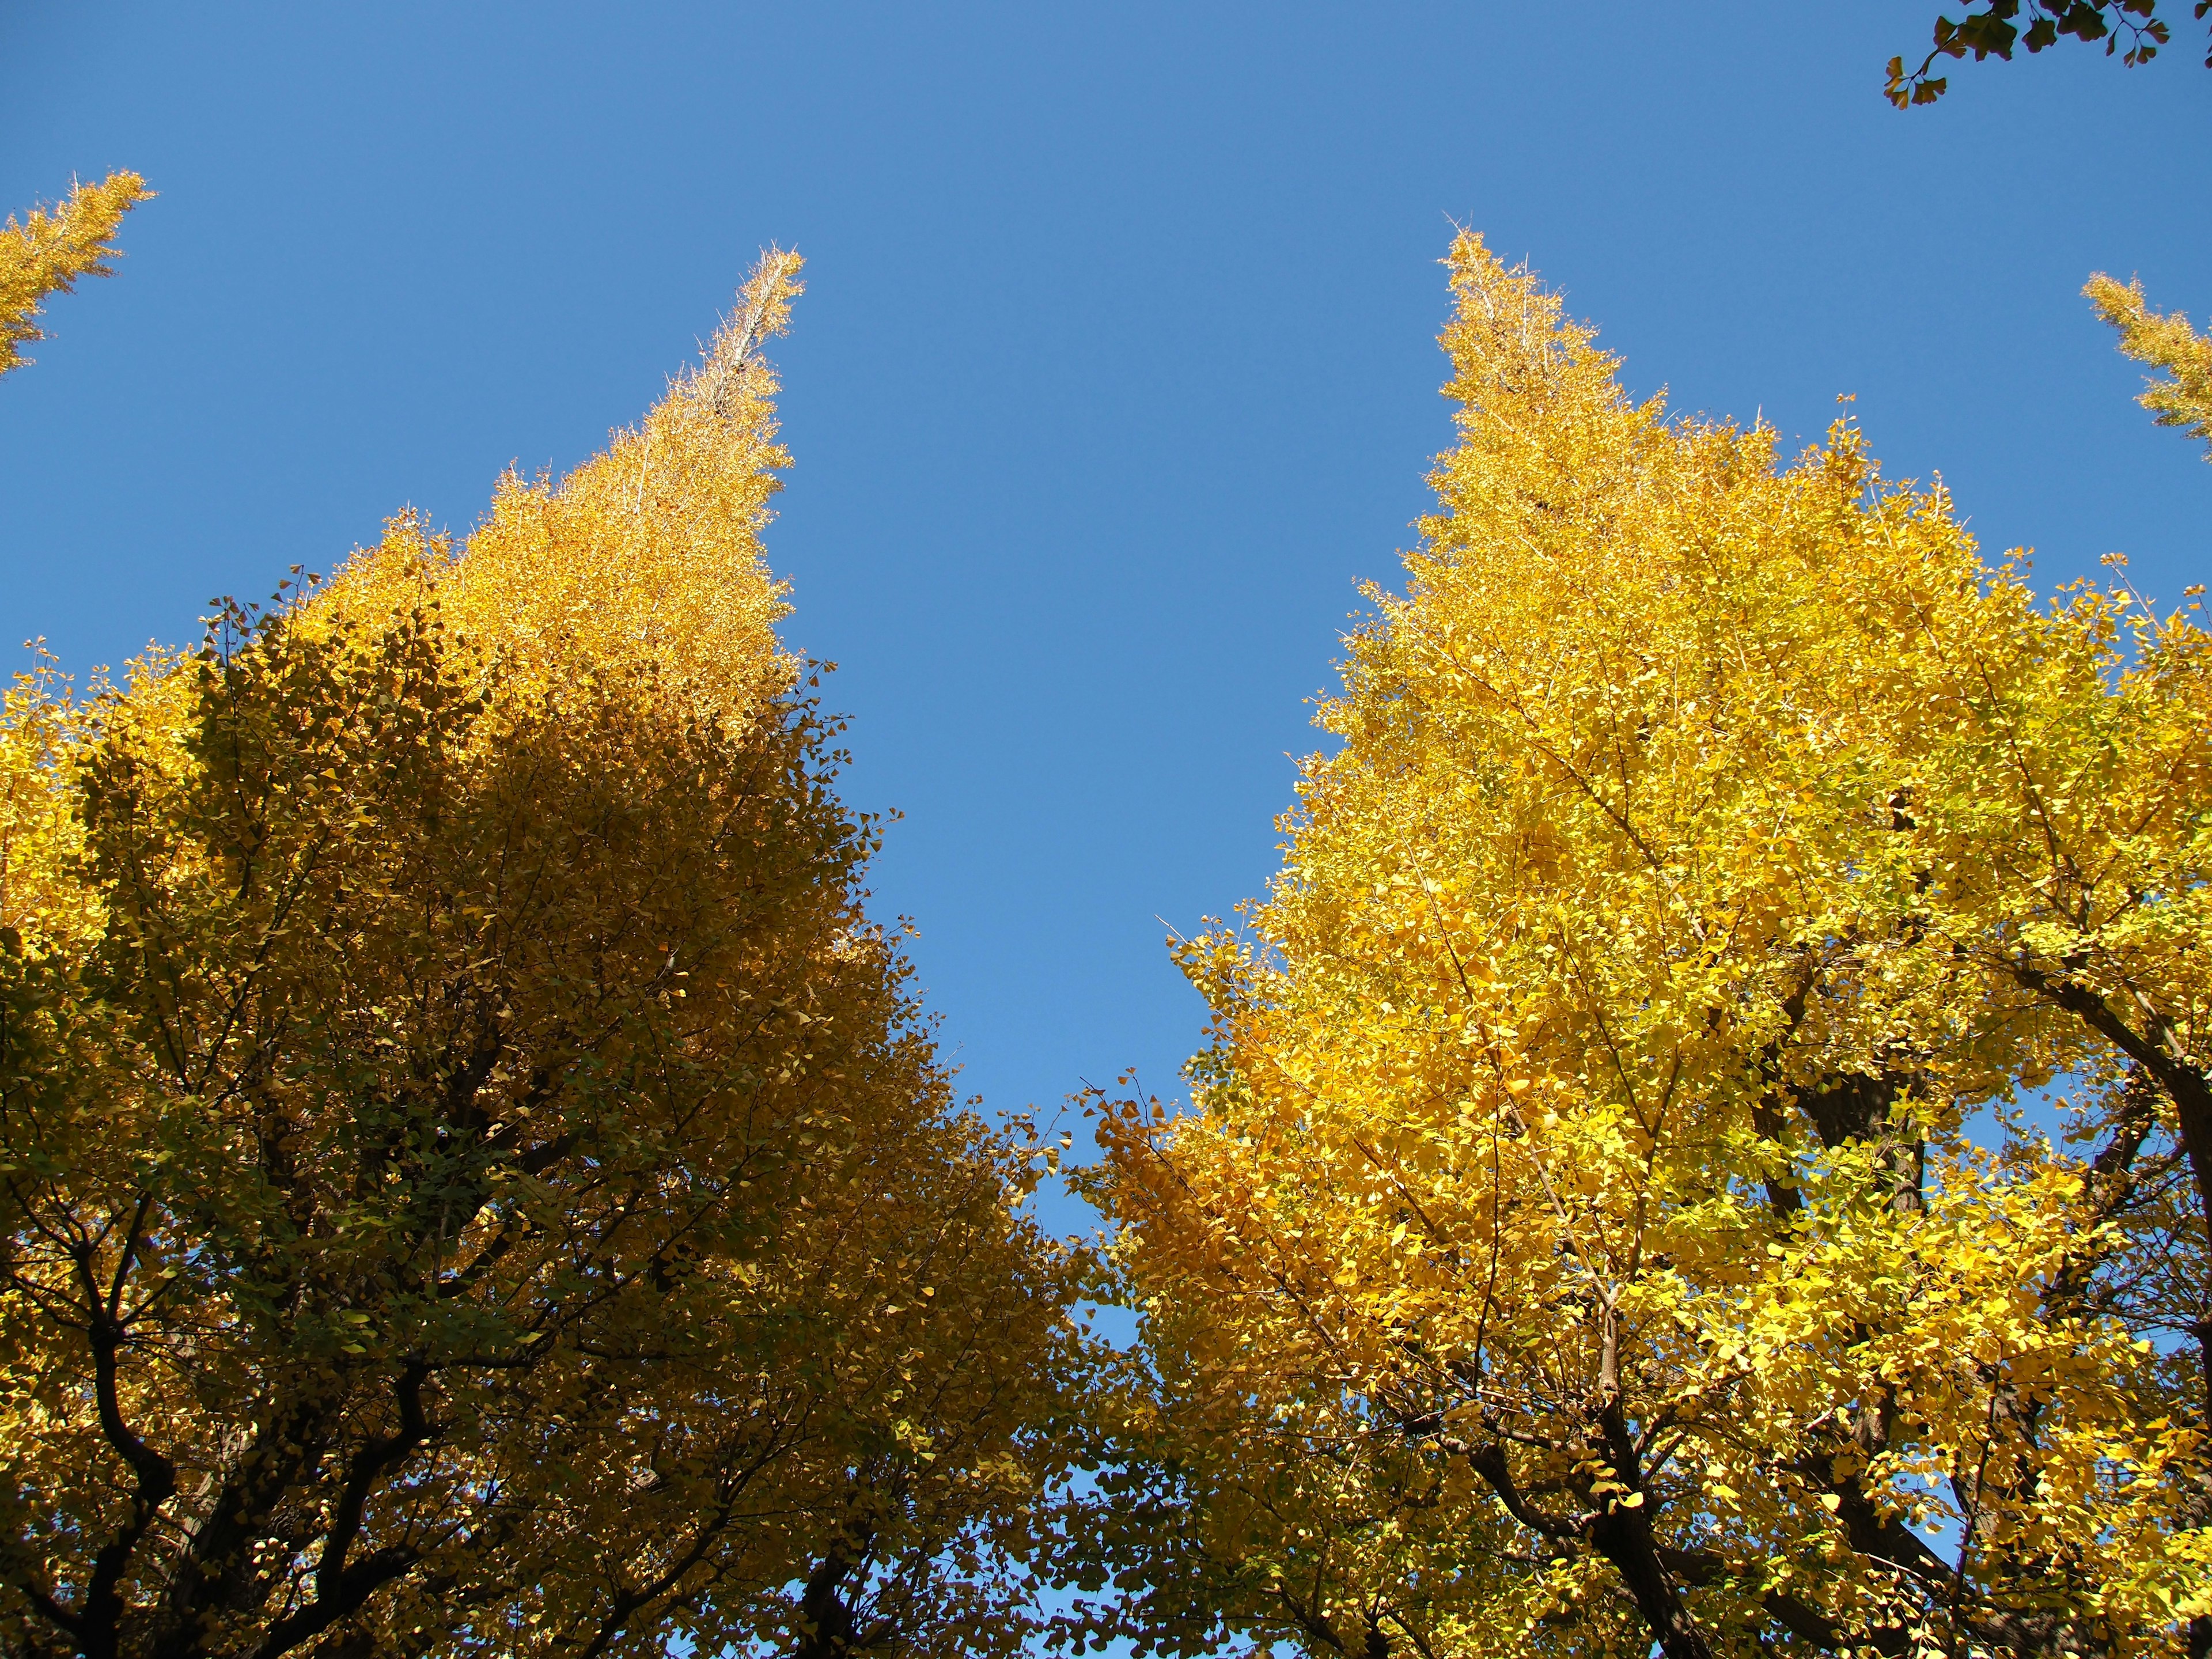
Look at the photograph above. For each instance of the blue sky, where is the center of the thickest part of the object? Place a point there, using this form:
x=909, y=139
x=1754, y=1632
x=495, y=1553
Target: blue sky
x=1117, y=368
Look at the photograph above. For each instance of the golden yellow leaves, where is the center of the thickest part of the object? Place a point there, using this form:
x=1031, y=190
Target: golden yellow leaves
x=39, y=838
x=1603, y=1226
x=1587, y=1108
x=646, y=559
x=459, y=1127
x=49, y=249
x=2184, y=397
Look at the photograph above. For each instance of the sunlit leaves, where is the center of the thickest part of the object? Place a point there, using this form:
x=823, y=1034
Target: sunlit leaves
x=45, y=251
x=1606, y=1220
x=2183, y=397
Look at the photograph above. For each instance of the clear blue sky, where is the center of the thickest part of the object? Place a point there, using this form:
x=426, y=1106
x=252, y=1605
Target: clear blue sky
x=1115, y=373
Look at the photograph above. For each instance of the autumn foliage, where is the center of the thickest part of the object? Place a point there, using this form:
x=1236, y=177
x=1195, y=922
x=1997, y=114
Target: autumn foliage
x=1705, y=1142
x=2182, y=395
x=475, y=1178
x=45, y=251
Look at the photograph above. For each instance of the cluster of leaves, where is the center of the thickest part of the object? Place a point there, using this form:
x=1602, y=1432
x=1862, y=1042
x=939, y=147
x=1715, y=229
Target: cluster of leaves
x=48, y=249
x=2183, y=397
x=1614, y=1215
x=1995, y=30
x=472, y=1178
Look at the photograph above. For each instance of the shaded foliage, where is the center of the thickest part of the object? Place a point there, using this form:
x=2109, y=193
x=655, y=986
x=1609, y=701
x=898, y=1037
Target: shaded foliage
x=475, y=1178
x=2133, y=29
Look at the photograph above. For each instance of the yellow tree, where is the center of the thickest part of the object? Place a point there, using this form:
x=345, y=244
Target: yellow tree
x=1609, y=1219
x=475, y=1179
x=49, y=249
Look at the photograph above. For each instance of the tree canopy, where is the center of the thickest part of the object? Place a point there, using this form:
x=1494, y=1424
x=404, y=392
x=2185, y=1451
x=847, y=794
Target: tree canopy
x=474, y=1176
x=1706, y=1143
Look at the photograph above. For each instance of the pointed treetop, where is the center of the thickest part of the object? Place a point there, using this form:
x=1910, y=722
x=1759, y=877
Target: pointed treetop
x=646, y=557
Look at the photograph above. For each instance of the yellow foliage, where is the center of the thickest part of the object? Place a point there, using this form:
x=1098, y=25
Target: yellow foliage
x=474, y=1177
x=40, y=838
x=49, y=249
x=647, y=557
x=1607, y=1221
x=2184, y=398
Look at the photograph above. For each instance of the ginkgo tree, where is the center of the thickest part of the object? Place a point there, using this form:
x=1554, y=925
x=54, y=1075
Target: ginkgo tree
x=1704, y=1145
x=472, y=1175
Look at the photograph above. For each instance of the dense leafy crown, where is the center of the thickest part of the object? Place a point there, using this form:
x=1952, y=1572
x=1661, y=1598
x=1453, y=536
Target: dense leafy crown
x=472, y=1177
x=1621, y=1209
